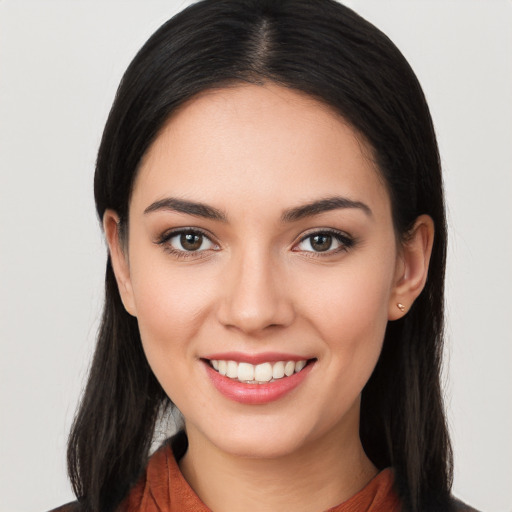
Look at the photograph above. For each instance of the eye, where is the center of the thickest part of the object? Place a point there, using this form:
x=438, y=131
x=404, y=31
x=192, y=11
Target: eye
x=325, y=242
x=190, y=241
x=186, y=242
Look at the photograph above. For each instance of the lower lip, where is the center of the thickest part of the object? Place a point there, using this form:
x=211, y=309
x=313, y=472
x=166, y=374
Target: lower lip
x=254, y=394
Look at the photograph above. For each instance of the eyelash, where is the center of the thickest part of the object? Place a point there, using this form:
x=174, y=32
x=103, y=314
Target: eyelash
x=346, y=243
x=183, y=254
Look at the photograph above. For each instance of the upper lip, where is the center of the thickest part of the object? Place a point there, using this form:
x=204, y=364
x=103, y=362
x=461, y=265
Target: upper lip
x=263, y=357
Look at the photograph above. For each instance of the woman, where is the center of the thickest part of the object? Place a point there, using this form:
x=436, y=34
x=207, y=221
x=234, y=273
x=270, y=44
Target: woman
x=270, y=189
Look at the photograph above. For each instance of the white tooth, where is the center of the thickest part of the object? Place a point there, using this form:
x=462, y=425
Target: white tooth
x=299, y=365
x=245, y=372
x=278, y=370
x=223, y=367
x=232, y=370
x=263, y=372
x=215, y=364
x=289, y=368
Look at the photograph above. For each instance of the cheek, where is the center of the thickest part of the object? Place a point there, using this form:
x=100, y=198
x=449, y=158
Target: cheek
x=347, y=294
x=169, y=297
x=350, y=311
x=172, y=307
x=170, y=314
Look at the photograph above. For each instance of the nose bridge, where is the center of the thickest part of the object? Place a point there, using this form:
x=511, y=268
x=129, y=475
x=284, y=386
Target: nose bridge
x=255, y=296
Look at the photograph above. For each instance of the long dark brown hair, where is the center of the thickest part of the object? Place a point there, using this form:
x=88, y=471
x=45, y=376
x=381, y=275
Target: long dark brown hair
x=329, y=52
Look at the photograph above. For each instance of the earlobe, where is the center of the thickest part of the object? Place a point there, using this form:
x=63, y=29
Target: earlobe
x=412, y=267
x=119, y=259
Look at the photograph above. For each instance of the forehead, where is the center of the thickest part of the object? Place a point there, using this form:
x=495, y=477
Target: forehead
x=257, y=142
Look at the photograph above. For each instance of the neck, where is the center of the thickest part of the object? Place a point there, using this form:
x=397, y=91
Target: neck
x=321, y=475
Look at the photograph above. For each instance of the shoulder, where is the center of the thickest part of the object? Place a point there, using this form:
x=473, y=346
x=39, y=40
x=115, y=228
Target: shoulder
x=157, y=465
x=68, y=507
x=459, y=506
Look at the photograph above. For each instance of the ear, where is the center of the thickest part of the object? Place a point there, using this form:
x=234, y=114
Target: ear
x=119, y=257
x=412, y=267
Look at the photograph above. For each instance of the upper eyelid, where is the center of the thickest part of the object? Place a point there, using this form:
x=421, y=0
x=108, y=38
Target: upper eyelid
x=312, y=231
x=330, y=231
x=170, y=233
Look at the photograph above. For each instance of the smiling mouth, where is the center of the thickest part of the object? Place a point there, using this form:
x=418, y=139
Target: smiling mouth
x=260, y=373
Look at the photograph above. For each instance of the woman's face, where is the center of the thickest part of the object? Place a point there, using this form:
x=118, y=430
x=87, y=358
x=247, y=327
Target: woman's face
x=260, y=233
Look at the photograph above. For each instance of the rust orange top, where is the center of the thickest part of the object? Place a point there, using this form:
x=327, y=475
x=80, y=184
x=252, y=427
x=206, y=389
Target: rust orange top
x=163, y=488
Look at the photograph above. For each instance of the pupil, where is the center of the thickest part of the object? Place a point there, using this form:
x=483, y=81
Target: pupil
x=321, y=242
x=191, y=241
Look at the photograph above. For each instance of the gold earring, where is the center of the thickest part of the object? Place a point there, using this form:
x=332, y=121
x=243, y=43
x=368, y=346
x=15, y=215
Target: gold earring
x=401, y=307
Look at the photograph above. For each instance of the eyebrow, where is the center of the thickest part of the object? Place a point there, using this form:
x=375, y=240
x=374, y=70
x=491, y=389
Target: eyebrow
x=290, y=215
x=188, y=207
x=321, y=206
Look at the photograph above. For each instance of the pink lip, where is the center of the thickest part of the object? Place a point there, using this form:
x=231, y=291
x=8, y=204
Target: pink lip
x=264, y=357
x=254, y=394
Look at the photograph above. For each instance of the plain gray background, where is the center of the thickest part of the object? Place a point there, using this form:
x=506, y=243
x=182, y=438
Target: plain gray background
x=60, y=63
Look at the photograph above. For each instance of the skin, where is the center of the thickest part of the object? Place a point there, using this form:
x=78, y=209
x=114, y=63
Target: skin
x=253, y=152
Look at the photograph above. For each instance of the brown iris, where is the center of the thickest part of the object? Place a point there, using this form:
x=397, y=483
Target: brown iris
x=321, y=242
x=191, y=241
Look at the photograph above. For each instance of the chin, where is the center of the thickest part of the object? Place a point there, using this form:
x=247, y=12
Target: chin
x=261, y=447
x=258, y=438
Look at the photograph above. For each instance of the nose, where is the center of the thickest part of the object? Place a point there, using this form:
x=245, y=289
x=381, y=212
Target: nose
x=254, y=297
